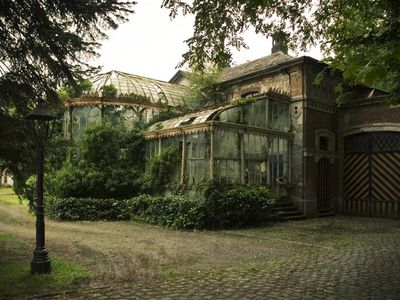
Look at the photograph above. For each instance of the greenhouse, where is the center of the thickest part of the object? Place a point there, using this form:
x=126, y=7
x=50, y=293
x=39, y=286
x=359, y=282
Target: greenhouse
x=274, y=128
x=243, y=143
x=122, y=99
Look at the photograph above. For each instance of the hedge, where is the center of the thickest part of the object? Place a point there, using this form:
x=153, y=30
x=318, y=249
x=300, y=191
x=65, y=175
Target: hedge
x=177, y=212
x=86, y=209
x=222, y=207
x=235, y=205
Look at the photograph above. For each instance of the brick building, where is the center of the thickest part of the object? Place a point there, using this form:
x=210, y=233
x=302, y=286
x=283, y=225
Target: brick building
x=291, y=136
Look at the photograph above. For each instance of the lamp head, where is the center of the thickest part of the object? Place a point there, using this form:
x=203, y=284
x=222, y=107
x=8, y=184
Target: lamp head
x=41, y=121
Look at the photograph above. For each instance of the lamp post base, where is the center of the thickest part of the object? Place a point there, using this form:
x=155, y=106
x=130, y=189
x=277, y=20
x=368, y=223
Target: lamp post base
x=40, y=263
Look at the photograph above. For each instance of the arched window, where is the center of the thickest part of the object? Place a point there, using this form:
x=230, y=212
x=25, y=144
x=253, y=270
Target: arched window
x=324, y=140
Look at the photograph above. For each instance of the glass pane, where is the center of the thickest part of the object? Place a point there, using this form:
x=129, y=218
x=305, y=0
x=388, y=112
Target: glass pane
x=260, y=114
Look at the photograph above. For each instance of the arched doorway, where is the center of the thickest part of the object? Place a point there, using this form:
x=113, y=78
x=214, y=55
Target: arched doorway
x=372, y=174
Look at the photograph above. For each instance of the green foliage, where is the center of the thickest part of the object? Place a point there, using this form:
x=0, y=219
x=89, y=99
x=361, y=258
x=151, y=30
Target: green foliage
x=88, y=209
x=110, y=165
x=42, y=47
x=204, y=88
x=159, y=168
x=8, y=196
x=164, y=115
x=56, y=152
x=17, y=152
x=109, y=91
x=176, y=212
x=75, y=91
x=360, y=37
x=235, y=205
x=247, y=100
x=222, y=207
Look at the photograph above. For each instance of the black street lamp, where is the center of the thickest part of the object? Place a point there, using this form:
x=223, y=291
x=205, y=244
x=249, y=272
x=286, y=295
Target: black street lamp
x=41, y=124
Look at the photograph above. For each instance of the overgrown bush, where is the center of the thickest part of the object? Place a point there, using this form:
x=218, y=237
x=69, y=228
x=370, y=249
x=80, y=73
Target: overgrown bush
x=205, y=89
x=224, y=206
x=159, y=169
x=67, y=92
x=177, y=212
x=109, y=91
x=110, y=165
x=235, y=205
x=89, y=209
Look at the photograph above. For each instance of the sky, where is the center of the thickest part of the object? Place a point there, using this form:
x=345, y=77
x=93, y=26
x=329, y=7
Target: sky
x=151, y=45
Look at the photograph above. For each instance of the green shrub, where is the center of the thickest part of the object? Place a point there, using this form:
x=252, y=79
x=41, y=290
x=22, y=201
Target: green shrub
x=224, y=206
x=177, y=212
x=235, y=205
x=110, y=165
x=88, y=209
x=159, y=169
x=109, y=91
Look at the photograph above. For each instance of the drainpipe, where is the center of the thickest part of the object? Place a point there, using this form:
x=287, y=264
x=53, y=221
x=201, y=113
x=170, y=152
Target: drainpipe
x=304, y=93
x=241, y=137
x=69, y=130
x=70, y=110
x=212, y=153
x=183, y=160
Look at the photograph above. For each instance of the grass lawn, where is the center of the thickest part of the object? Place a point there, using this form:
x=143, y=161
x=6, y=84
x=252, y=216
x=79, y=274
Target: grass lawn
x=16, y=280
x=16, y=254
x=7, y=196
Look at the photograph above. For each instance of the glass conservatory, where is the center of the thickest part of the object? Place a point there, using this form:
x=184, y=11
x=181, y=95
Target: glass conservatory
x=245, y=143
x=136, y=99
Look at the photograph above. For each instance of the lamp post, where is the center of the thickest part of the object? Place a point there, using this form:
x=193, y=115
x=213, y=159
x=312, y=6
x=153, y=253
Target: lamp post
x=41, y=124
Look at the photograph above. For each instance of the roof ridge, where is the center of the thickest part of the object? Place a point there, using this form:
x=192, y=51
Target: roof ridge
x=254, y=66
x=130, y=74
x=280, y=53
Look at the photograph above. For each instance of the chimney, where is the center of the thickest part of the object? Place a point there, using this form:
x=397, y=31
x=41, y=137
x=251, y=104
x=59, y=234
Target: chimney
x=279, y=42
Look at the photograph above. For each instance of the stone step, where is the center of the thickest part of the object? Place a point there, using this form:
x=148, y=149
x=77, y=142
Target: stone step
x=285, y=211
x=293, y=218
x=284, y=208
x=289, y=213
x=325, y=213
x=283, y=204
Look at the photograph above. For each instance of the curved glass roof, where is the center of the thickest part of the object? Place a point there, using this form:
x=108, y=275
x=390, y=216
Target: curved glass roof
x=199, y=117
x=127, y=85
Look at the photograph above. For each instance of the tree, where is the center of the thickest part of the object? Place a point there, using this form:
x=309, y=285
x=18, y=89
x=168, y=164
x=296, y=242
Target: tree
x=204, y=88
x=360, y=37
x=110, y=164
x=44, y=45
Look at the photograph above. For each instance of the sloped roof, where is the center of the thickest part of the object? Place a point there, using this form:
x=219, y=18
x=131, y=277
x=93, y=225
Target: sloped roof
x=198, y=117
x=254, y=66
x=156, y=91
x=241, y=70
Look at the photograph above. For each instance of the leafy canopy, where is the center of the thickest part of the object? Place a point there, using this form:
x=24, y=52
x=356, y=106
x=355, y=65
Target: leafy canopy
x=204, y=88
x=109, y=165
x=44, y=45
x=360, y=37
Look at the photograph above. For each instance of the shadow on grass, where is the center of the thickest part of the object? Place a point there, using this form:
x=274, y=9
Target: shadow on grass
x=16, y=280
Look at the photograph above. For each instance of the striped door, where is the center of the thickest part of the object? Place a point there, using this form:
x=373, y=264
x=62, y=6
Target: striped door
x=372, y=174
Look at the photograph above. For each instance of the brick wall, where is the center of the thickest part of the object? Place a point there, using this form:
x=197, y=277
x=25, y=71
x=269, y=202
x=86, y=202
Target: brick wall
x=367, y=116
